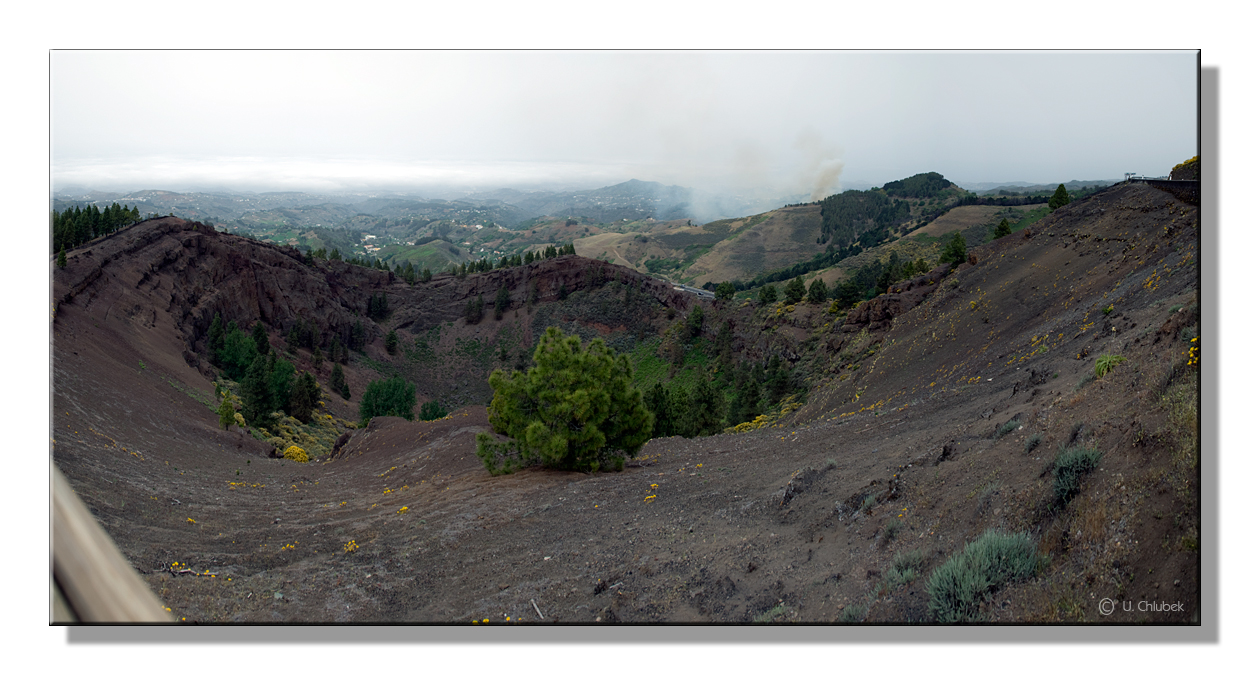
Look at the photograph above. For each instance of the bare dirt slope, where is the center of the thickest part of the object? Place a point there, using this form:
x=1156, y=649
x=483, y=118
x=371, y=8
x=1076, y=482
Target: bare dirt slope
x=897, y=450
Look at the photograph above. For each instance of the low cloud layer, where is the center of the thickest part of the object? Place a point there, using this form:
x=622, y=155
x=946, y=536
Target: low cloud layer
x=784, y=123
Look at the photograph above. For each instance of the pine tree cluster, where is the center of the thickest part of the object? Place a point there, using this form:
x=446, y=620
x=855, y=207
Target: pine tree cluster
x=710, y=406
x=76, y=226
x=378, y=307
x=394, y=397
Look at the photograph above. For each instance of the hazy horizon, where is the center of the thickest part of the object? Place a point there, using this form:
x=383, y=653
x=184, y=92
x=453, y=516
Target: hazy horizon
x=436, y=190
x=771, y=122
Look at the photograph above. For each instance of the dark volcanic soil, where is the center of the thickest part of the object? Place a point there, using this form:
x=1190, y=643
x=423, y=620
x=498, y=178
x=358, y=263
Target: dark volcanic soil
x=895, y=451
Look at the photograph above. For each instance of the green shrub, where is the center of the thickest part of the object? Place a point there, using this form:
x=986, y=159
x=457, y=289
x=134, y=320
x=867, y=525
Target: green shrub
x=963, y=582
x=1034, y=441
x=432, y=410
x=1106, y=363
x=772, y=614
x=853, y=614
x=576, y=409
x=1070, y=465
x=1006, y=428
x=903, y=570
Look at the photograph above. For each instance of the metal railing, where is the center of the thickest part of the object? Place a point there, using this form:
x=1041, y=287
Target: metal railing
x=91, y=580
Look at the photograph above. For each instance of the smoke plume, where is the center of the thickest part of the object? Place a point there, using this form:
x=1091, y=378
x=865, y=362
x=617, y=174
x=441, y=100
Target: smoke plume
x=826, y=181
x=821, y=168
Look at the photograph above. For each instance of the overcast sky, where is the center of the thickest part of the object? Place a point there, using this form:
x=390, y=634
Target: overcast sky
x=790, y=122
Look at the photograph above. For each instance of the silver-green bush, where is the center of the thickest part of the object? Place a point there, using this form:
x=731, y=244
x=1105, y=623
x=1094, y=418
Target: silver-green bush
x=963, y=582
x=1069, y=466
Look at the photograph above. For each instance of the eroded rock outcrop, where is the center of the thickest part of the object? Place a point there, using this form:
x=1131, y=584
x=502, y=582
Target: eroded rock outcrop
x=193, y=272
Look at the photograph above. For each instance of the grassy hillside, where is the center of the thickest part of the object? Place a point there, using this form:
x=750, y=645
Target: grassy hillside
x=759, y=243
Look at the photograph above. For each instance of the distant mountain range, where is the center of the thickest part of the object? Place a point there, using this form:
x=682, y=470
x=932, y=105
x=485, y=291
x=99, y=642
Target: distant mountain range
x=631, y=200
x=507, y=207
x=1021, y=186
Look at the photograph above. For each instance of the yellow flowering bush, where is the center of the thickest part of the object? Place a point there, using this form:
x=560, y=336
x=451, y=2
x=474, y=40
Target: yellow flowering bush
x=788, y=405
x=296, y=454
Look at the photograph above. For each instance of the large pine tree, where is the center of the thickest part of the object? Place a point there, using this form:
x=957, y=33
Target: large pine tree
x=338, y=383
x=237, y=353
x=261, y=338
x=956, y=251
x=281, y=376
x=256, y=394
x=706, y=405
x=818, y=292
x=576, y=409
x=473, y=310
x=304, y=397
x=337, y=353
x=502, y=300
x=216, y=339
x=768, y=294
x=1003, y=229
x=778, y=382
x=795, y=290
x=225, y=412
x=746, y=401
x=694, y=324
x=660, y=404
x=1060, y=198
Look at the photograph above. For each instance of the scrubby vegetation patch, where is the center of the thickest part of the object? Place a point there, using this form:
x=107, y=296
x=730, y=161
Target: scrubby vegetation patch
x=957, y=588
